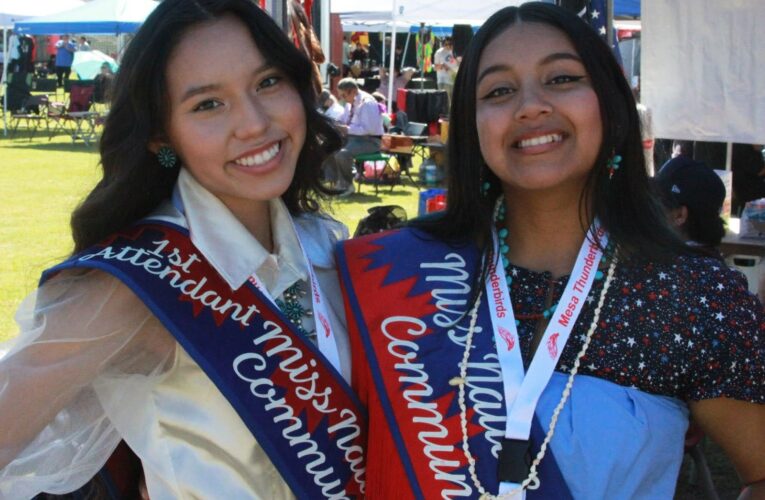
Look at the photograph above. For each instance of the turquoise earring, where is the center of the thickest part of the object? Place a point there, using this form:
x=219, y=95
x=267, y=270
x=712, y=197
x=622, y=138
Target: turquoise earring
x=613, y=164
x=167, y=157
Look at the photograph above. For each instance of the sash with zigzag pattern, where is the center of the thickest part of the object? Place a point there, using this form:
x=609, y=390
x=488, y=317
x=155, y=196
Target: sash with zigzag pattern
x=296, y=405
x=406, y=297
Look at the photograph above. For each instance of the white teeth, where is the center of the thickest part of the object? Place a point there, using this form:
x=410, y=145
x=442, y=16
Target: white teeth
x=260, y=158
x=538, y=141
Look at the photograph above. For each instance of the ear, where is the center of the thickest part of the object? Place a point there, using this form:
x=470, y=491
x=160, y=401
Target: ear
x=155, y=144
x=679, y=215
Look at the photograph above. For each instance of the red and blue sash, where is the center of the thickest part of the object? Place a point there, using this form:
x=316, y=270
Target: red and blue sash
x=412, y=342
x=297, y=406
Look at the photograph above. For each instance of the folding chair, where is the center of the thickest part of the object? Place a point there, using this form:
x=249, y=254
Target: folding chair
x=76, y=111
x=32, y=114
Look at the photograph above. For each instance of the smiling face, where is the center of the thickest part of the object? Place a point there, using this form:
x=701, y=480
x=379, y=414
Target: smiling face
x=538, y=117
x=236, y=122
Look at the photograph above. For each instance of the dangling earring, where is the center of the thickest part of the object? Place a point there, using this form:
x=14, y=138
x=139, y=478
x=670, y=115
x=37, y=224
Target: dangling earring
x=485, y=183
x=166, y=157
x=613, y=164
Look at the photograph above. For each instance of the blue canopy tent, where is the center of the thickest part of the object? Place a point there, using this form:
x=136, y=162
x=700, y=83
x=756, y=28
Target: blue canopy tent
x=630, y=8
x=97, y=17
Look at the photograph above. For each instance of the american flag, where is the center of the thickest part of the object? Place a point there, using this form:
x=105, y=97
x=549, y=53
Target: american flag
x=596, y=14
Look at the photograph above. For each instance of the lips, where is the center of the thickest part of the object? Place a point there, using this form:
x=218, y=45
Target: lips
x=261, y=157
x=539, y=140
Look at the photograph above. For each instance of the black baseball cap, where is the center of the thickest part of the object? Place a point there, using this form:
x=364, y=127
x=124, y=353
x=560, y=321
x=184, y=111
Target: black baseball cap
x=684, y=181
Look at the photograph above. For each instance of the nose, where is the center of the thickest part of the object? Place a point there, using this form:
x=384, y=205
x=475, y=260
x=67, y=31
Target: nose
x=532, y=104
x=252, y=118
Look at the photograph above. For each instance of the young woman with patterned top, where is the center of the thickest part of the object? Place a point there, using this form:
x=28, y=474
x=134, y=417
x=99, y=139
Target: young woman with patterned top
x=178, y=325
x=549, y=335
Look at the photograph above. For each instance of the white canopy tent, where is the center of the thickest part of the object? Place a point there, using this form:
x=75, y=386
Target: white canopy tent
x=405, y=13
x=17, y=10
x=415, y=11
x=98, y=16
x=702, y=71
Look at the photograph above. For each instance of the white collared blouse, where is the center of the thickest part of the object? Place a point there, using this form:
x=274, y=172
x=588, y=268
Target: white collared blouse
x=92, y=366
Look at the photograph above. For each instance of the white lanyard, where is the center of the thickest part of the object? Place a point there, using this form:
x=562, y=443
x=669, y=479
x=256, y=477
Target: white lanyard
x=325, y=335
x=522, y=393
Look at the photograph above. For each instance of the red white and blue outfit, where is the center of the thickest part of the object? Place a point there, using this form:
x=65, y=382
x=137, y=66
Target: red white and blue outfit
x=668, y=334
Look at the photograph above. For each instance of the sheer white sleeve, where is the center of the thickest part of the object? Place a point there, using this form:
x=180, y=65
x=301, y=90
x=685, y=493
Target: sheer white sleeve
x=85, y=340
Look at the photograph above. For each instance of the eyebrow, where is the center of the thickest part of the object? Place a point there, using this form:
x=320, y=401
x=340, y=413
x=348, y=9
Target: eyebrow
x=193, y=91
x=555, y=56
x=201, y=89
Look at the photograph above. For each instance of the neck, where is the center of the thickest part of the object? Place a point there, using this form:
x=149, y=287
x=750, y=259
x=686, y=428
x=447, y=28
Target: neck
x=256, y=218
x=545, y=231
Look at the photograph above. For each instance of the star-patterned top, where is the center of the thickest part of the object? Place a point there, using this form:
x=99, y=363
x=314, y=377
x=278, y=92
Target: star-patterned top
x=689, y=329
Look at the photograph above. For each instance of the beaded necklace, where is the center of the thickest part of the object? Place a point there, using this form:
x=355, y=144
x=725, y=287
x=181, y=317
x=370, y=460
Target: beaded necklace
x=504, y=249
x=532, y=481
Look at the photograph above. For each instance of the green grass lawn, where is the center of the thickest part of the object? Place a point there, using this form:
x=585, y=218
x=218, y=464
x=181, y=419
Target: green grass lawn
x=41, y=182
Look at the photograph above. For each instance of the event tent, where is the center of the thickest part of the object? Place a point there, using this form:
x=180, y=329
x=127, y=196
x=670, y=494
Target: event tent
x=441, y=12
x=16, y=10
x=701, y=71
x=96, y=17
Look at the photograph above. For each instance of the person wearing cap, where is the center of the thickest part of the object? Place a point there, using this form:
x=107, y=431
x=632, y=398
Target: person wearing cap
x=693, y=195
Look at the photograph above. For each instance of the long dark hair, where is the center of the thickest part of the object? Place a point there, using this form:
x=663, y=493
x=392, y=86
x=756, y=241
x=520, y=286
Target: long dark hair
x=133, y=182
x=624, y=204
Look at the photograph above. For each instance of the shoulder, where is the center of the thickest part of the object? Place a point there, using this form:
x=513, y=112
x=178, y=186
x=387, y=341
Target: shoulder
x=84, y=304
x=696, y=276
x=319, y=233
x=706, y=290
x=709, y=274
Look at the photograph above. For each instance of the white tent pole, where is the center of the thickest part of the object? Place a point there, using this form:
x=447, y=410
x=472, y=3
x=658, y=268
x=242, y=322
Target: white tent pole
x=406, y=45
x=729, y=156
x=5, y=81
x=392, y=65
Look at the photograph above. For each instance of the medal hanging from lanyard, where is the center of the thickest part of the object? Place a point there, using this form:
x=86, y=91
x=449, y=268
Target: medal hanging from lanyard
x=521, y=392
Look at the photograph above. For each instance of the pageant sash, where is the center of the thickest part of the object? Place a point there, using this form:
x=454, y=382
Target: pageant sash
x=522, y=392
x=294, y=402
x=415, y=340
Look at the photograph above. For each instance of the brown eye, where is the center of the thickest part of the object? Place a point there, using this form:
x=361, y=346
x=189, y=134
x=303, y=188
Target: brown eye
x=559, y=80
x=207, y=105
x=498, y=92
x=269, y=82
